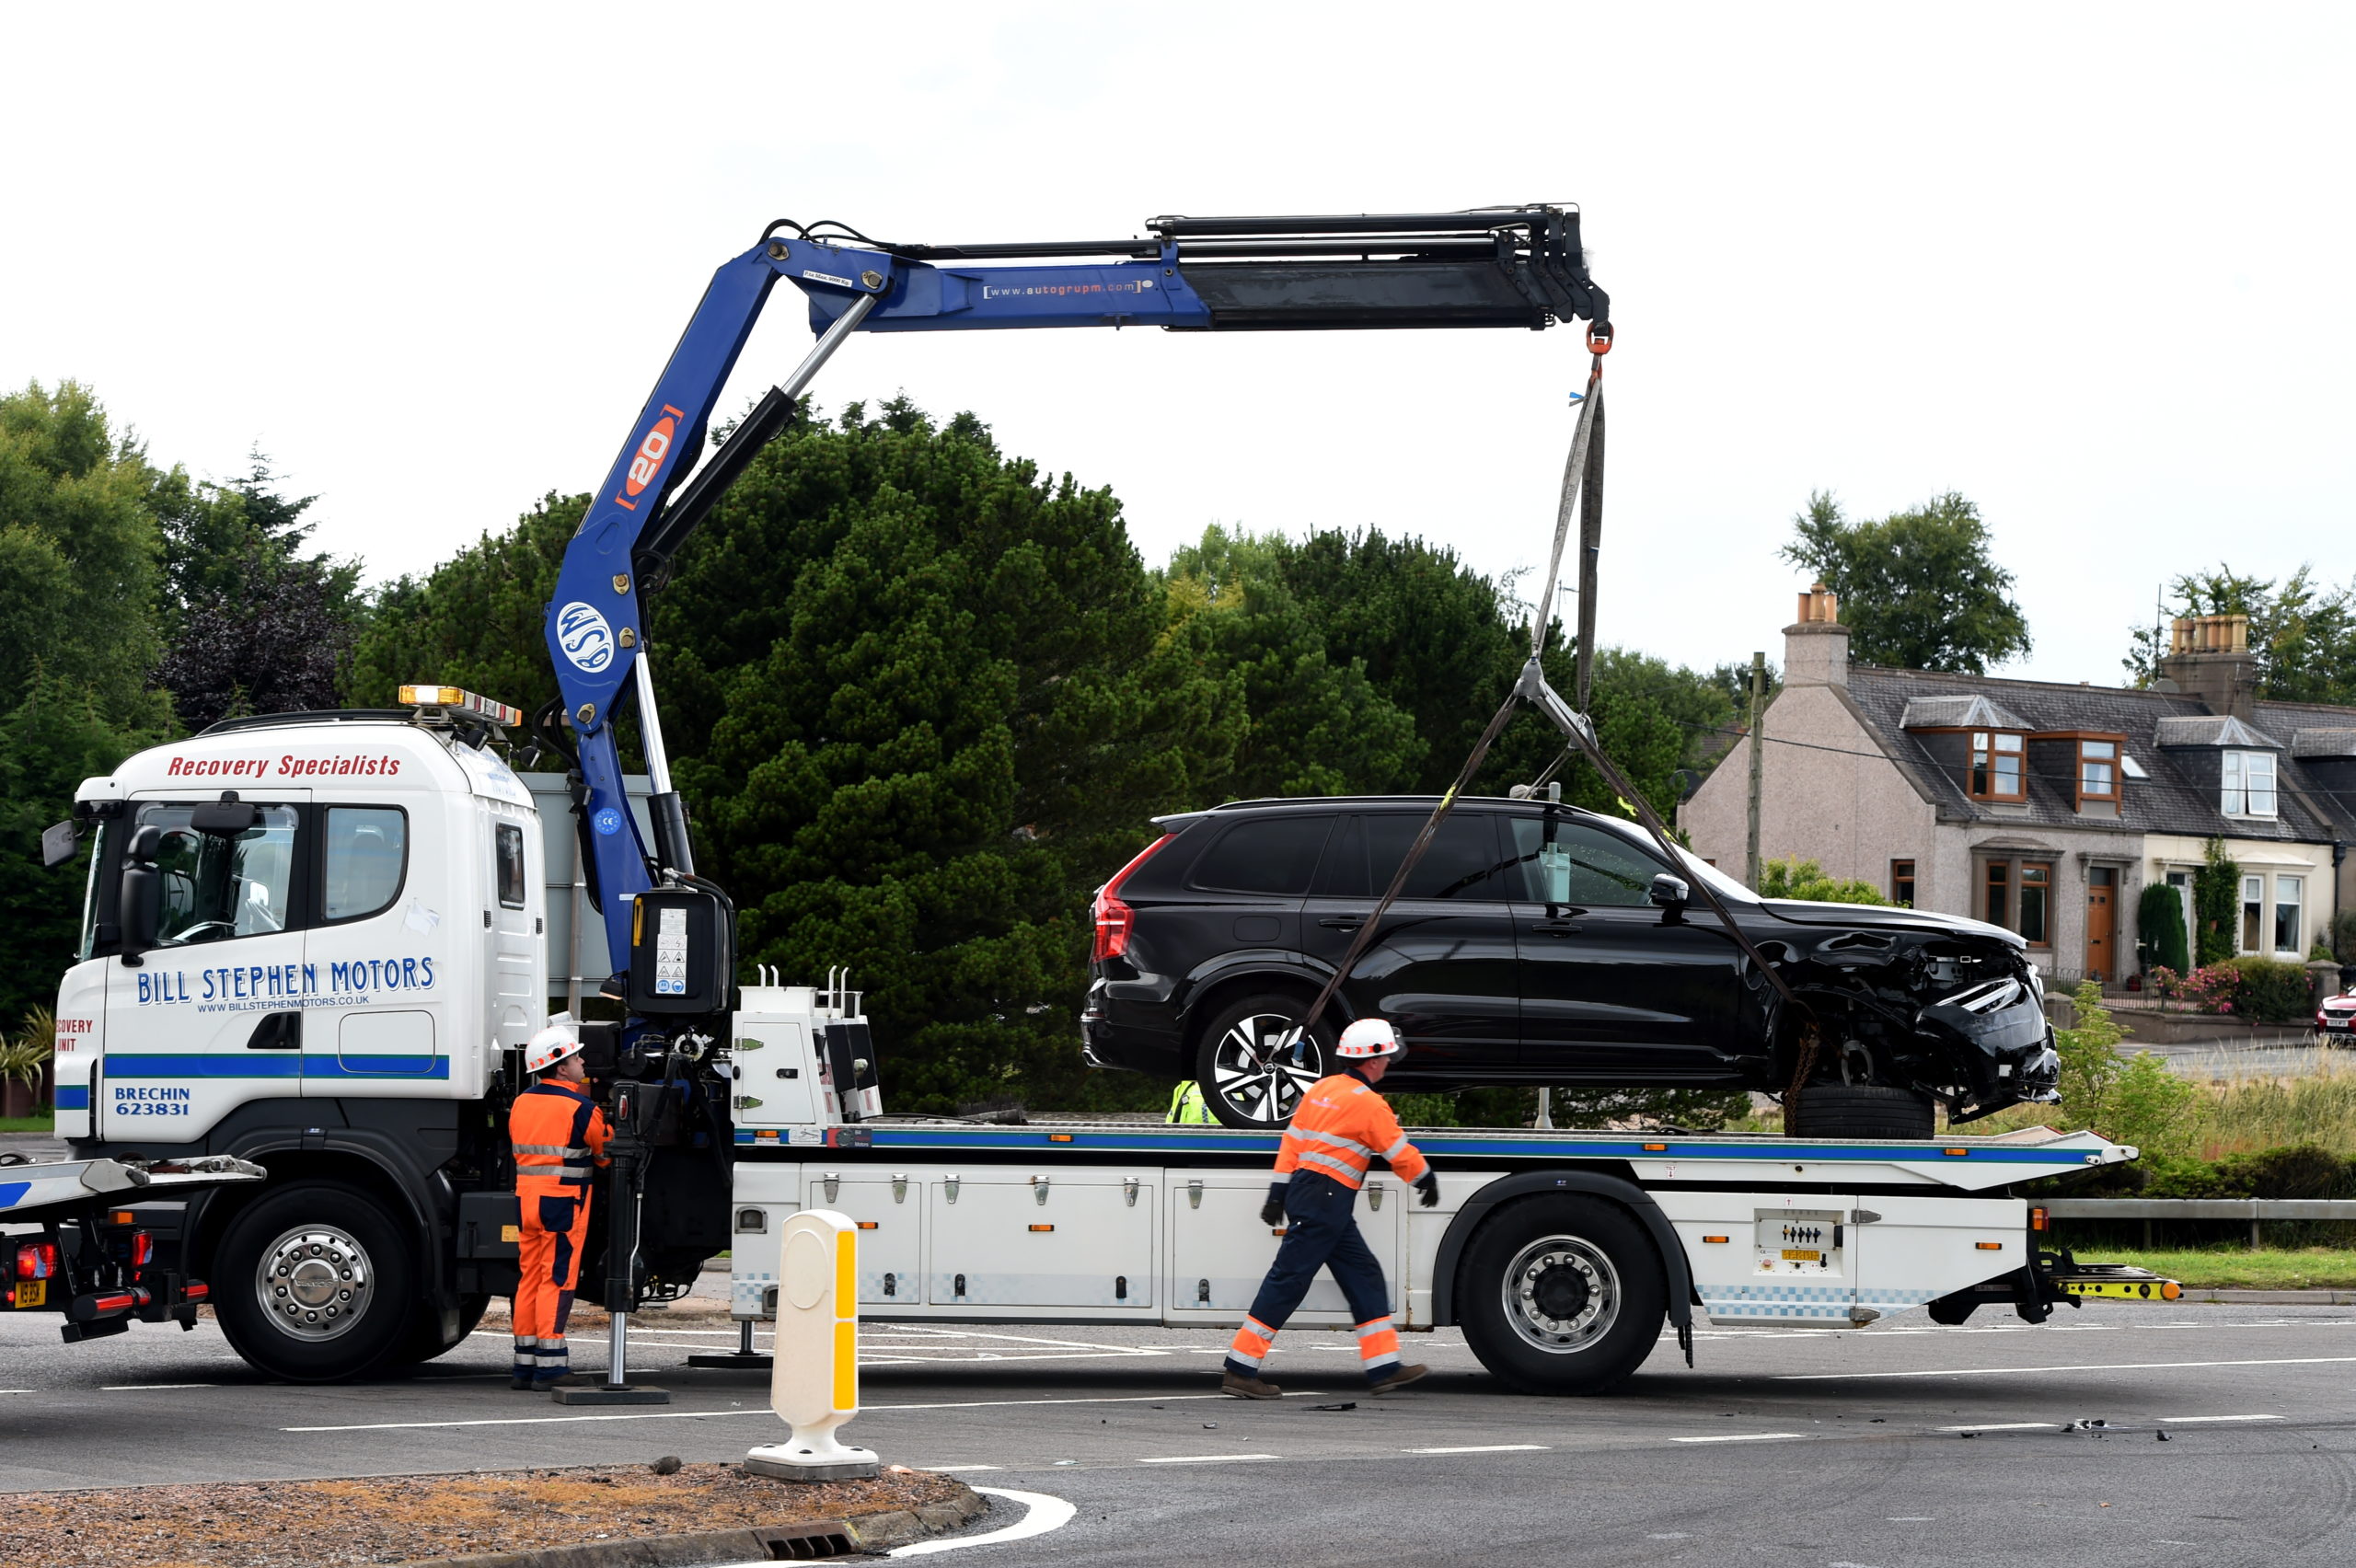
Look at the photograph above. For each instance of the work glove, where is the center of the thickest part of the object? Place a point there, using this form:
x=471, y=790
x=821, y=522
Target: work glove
x=1427, y=1190
x=1272, y=1212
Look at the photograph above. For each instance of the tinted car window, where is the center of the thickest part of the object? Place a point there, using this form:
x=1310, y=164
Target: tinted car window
x=1274, y=856
x=367, y=855
x=1460, y=863
x=1560, y=861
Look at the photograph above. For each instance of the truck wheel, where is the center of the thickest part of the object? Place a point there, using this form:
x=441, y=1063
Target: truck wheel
x=315, y=1283
x=1863, y=1110
x=1561, y=1294
x=1249, y=1080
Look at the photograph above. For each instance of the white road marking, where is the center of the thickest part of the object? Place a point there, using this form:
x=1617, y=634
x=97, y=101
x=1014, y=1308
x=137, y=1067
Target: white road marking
x=137, y=1387
x=2014, y=1371
x=1206, y=1458
x=1484, y=1448
x=1046, y=1514
x=769, y=1414
x=2007, y=1426
x=1739, y=1437
x=2180, y=1420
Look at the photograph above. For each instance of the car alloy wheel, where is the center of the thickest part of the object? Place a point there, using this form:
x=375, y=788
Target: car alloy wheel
x=1261, y=1070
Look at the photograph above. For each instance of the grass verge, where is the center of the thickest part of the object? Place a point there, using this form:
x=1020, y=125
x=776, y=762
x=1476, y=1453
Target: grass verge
x=2222, y=1268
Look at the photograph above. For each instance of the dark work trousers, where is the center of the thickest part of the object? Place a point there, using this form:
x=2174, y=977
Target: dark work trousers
x=1321, y=1232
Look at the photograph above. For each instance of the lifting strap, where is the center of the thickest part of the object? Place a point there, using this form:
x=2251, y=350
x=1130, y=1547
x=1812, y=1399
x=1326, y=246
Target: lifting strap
x=1582, y=494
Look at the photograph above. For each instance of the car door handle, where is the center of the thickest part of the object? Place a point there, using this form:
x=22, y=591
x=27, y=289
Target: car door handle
x=1343, y=922
x=1555, y=928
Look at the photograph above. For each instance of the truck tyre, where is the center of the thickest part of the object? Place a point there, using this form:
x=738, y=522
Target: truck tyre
x=425, y=1340
x=1247, y=1081
x=1863, y=1110
x=315, y=1283
x=1561, y=1294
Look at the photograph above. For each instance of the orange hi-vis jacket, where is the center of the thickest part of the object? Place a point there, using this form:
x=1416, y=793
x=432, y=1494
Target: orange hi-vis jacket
x=558, y=1133
x=1342, y=1127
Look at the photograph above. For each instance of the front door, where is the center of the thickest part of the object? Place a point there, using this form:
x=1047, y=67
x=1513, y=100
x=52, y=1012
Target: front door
x=212, y=1016
x=1441, y=968
x=1614, y=989
x=2102, y=922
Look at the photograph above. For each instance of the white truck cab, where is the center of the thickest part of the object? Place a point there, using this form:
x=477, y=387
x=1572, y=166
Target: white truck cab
x=377, y=932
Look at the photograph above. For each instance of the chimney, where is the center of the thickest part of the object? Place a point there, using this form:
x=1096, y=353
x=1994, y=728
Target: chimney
x=2209, y=657
x=1816, y=646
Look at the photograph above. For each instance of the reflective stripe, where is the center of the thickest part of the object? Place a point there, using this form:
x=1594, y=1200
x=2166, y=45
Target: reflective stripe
x=1350, y=1176
x=562, y=1152
x=1395, y=1150
x=1336, y=1139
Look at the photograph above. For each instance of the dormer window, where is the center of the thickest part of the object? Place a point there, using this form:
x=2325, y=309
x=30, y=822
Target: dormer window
x=2248, y=788
x=2097, y=770
x=1997, y=770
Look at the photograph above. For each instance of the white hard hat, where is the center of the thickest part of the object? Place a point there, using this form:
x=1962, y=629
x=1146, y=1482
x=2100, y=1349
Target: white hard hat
x=1367, y=1039
x=560, y=1039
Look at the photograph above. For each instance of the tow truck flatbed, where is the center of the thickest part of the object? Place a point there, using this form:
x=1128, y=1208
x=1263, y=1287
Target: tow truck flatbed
x=69, y=1244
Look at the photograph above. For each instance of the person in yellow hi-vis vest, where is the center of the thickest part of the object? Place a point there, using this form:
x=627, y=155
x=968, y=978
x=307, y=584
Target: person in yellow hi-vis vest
x=1188, y=1106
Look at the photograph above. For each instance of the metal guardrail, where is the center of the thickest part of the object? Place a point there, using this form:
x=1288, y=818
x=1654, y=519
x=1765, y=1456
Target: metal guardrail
x=2254, y=1210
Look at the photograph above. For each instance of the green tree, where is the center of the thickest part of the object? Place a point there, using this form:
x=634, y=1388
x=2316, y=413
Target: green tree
x=2303, y=633
x=927, y=700
x=1919, y=590
x=78, y=579
x=2090, y=1063
x=1795, y=878
x=2216, y=905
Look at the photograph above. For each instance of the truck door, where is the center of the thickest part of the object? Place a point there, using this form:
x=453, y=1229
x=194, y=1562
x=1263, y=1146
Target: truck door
x=212, y=1016
x=381, y=949
x=1219, y=1252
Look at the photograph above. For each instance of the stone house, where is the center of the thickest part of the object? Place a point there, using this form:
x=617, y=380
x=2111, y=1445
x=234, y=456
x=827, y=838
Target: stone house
x=2047, y=808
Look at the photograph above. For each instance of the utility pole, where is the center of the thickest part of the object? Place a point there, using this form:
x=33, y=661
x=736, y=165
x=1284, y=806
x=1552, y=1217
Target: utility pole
x=1758, y=758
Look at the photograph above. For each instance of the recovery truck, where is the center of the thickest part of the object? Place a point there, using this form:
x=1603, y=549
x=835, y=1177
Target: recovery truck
x=317, y=942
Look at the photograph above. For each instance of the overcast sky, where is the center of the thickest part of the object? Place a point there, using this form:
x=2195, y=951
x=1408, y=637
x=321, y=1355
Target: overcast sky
x=2085, y=264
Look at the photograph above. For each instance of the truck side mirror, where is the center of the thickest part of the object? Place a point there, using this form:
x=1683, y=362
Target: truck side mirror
x=1670, y=892
x=58, y=843
x=227, y=817
x=141, y=892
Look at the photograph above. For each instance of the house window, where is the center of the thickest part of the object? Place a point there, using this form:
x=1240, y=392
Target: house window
x=1996, y=767
x=2097, y=770
x=2036, y=904
x=1901, y=883
x=2249, y=784
x=2290, y=895
x=2253, y=912
x=1997, y=908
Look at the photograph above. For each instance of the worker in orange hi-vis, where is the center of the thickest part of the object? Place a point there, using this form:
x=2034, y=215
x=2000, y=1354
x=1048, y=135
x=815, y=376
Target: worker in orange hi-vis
x=559, y=1134
x=1341, y=1127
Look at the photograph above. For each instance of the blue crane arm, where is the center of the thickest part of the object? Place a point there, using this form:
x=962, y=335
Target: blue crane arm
x=1496, y=267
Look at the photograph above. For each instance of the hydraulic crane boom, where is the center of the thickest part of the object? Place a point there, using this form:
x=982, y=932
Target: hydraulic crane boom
x=1489, y=267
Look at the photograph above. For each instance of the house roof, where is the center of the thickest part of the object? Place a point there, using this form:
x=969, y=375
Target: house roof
x=2170, y=800
x=1970, y=711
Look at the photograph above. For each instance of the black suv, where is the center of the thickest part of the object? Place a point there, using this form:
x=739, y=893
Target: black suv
x=1542, y=944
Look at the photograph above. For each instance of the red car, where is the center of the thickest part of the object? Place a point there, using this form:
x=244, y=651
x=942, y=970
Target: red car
x=2337, y=1017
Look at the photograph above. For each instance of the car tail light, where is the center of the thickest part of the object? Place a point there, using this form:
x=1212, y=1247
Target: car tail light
x=1114, y=918
x=142, y=1249
x=37, y=1260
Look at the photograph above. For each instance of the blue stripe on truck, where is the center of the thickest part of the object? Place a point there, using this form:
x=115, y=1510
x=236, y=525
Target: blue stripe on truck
x=268, y=1064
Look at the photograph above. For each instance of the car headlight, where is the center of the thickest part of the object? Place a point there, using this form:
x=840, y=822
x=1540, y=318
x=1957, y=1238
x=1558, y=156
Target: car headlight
x=2037, y=983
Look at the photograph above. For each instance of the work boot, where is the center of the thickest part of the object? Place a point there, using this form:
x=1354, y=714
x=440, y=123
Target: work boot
x=1399, y=1378
x=1244, y=1388
x=521, y=1380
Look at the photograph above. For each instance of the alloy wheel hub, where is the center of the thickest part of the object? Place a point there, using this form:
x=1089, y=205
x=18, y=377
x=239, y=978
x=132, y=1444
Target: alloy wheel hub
x=313, y=1282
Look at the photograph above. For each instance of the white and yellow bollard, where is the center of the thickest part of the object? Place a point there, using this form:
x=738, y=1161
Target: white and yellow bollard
x=814, y=1379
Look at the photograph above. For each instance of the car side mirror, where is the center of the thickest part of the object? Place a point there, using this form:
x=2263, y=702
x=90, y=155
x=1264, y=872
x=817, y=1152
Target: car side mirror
x=58, y=843
x=1670, y=892
x=226, y=817
x=140, y=893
